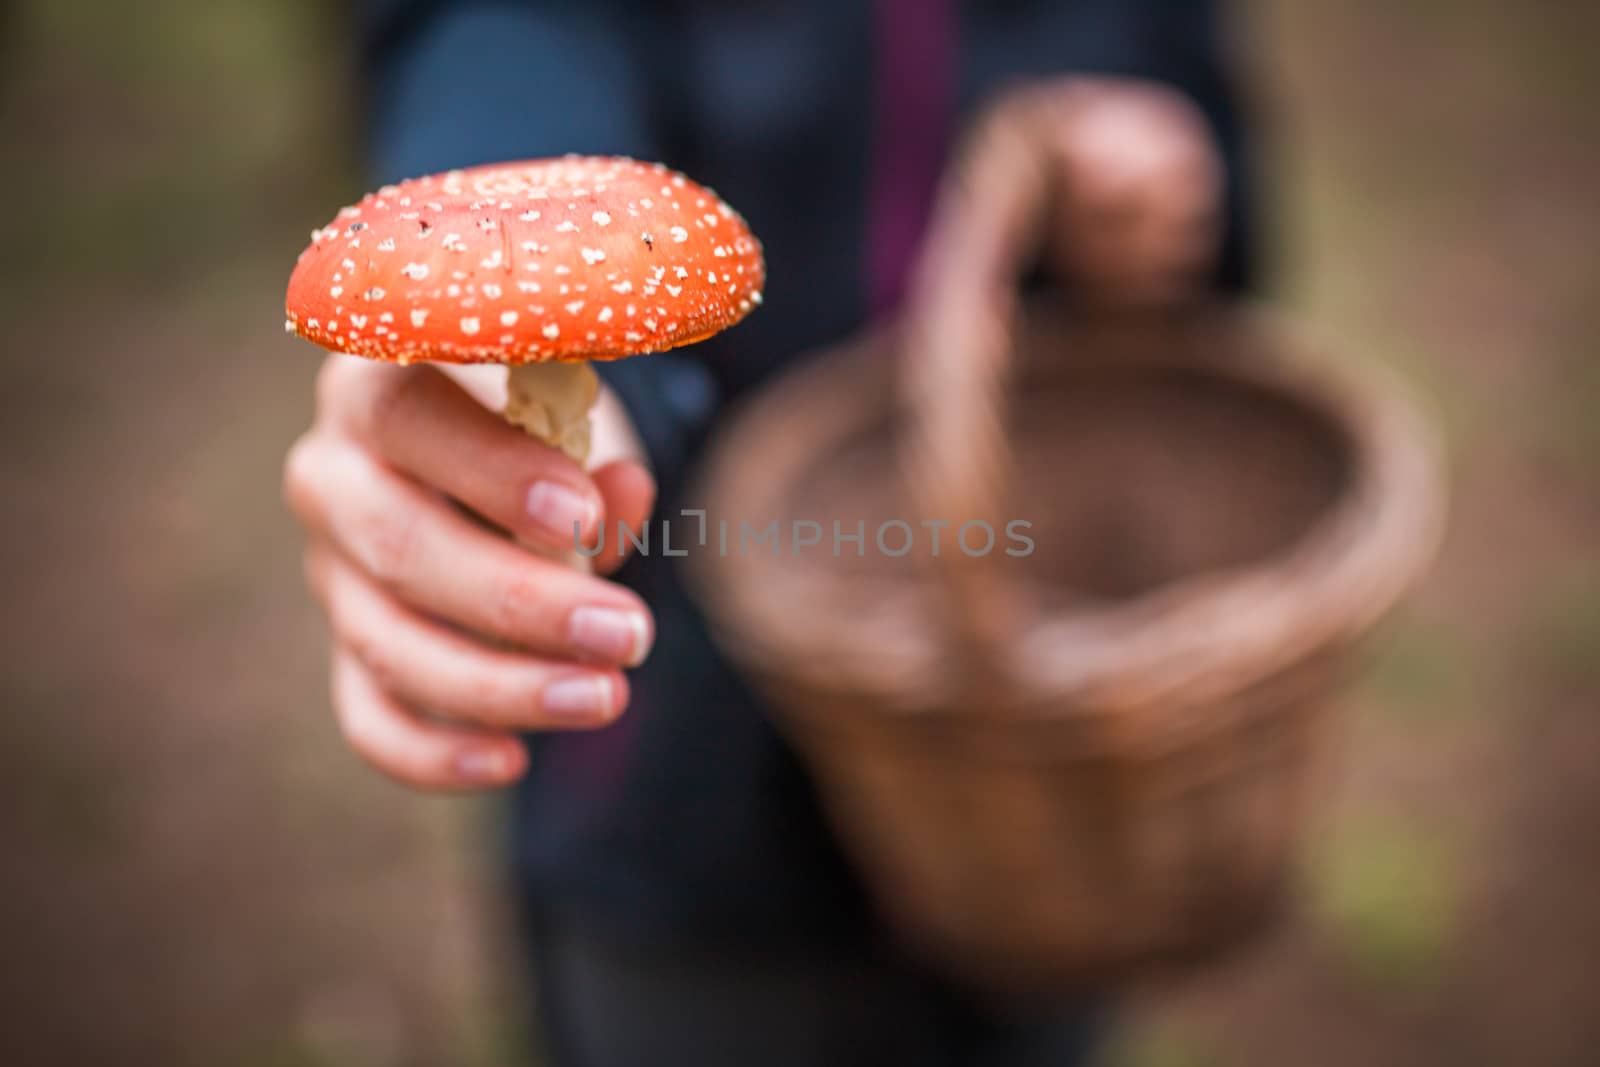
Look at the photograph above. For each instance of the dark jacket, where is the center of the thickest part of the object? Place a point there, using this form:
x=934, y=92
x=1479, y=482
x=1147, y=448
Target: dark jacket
x=690, y=817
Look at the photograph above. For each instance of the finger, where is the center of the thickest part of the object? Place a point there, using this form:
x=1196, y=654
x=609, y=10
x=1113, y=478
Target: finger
x=423, y=664
x=1142, y=221
x=423, y=423
x=413, y=750
x=431, y=558
x=630, y=494
x=1140, y=150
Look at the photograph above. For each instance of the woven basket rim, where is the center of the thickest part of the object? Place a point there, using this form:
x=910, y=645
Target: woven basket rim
x=1192, y=641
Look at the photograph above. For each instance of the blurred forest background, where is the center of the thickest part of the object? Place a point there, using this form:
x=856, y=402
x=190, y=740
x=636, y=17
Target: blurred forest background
x=194, y=870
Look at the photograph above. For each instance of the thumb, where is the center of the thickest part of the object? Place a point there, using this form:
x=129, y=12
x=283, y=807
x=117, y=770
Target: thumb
x=629, y=493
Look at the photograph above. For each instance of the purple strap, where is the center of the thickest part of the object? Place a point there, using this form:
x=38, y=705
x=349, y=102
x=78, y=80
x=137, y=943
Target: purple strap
x=916, y=43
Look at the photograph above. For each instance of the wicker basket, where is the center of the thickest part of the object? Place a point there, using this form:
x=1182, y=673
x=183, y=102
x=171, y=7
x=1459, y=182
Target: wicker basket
x=1058, y=767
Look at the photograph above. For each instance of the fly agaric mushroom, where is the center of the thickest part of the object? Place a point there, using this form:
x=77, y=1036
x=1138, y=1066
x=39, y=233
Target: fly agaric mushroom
x=541, y=265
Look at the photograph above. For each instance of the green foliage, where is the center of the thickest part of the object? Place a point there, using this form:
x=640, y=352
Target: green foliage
x=1562, y=638
x=1423, y=671
x=1158, y=1044
x=1385, y=893
x=1564, y=432
x=164, y=139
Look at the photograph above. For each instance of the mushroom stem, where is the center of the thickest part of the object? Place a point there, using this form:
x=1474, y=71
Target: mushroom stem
x=551, y=402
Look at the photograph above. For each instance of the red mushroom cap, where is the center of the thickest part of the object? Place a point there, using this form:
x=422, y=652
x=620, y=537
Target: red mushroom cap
x=577, y=258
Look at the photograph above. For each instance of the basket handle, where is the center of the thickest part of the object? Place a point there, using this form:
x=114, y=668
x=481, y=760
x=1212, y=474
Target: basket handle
x=956, y=352
x=992, y=218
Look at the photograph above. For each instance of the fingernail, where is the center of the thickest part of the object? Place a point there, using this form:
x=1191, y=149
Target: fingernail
x=556, y=508
x=581, y=696
x=610, y=634
x=482, y=766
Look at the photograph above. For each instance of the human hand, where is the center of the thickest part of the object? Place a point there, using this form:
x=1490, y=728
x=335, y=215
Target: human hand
x=1140, y=213
x=449, y=637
